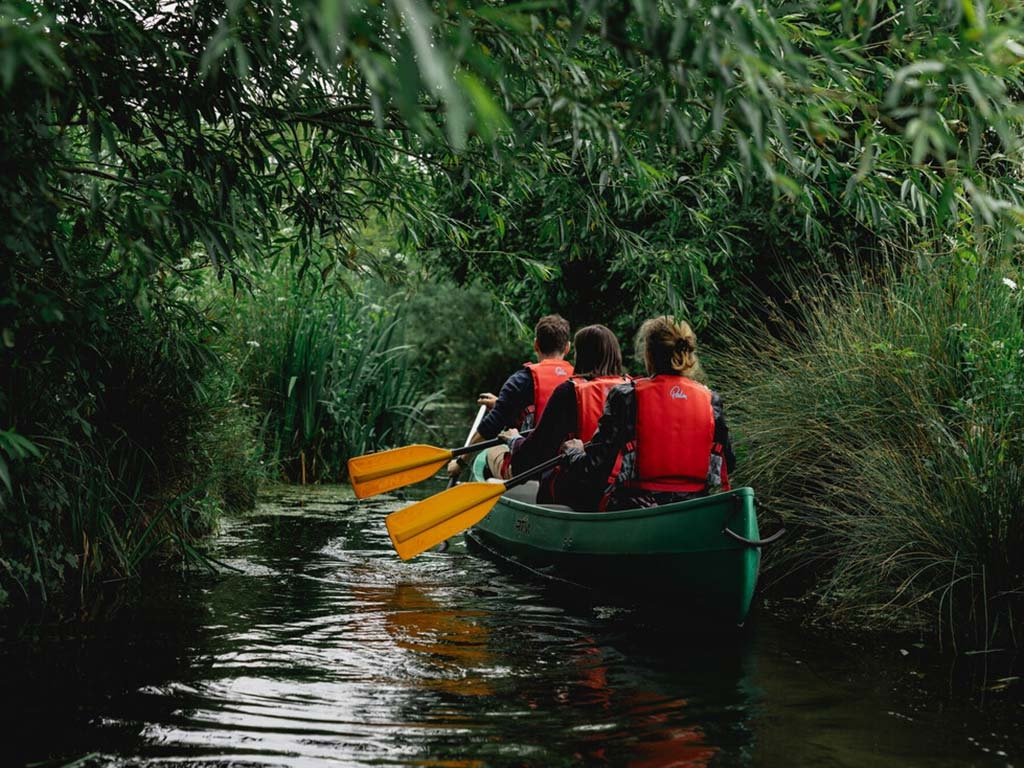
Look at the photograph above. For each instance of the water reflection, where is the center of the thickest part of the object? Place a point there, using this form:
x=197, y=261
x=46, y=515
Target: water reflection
x=452, y=648
x=323, y=648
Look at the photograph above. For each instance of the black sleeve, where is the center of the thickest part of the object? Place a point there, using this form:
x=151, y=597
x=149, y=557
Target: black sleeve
x=591, y=468
x=556, y=424
x=722, y=431
x=515, y=396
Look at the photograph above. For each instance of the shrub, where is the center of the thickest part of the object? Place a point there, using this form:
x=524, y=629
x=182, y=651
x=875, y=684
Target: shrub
x=135, y=451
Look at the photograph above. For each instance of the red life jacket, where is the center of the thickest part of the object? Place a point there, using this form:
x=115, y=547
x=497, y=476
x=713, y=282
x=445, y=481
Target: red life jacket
x=675, y=433
x=590, y=397
x=547, y=374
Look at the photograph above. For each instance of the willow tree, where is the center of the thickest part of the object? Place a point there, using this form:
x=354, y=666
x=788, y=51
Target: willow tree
x=652, y=144
x=204, y=130
x=675, y=154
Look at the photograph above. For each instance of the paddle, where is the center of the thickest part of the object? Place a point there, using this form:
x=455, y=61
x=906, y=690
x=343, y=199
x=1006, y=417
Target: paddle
x=454, y=479
x=469, y=439
x=386, y=470
x=420, y=526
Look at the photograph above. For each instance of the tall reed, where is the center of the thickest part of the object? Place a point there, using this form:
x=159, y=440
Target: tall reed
x=330, y=375
x=885, y=420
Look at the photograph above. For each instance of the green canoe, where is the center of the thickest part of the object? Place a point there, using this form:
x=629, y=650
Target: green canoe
x=703, y=554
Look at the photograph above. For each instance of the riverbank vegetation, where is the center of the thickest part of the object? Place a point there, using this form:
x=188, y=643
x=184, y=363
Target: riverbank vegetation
x=326, y=372
x=881, y=415
x=250, y=242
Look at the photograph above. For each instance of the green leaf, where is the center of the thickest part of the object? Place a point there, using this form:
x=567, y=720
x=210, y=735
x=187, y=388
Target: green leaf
x=18, y=446
x=491, y=120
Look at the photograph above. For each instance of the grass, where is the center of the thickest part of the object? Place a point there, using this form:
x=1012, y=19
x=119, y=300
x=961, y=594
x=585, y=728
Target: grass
x=133, y=453
x=119, y=461
x=330, y=376
x=885, y=420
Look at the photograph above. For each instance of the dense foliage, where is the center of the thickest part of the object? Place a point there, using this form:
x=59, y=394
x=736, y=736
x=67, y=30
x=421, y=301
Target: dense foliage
x=700, y=148
x=887, y=431
x=605, y=160
x=326, y=373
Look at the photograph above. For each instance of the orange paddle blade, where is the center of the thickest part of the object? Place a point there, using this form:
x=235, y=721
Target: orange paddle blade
x=386, y=470
x=427, y=523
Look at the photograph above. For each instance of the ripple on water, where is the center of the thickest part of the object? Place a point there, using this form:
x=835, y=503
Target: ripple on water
x=324, y=648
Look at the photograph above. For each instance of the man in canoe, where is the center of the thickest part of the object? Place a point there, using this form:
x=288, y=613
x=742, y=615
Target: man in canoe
x=525, y=393
x=573, y=409
x=669, y=429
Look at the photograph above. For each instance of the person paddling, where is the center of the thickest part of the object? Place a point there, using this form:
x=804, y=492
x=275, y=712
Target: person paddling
x=522, y=398
x=572, y=411
x=669, y=428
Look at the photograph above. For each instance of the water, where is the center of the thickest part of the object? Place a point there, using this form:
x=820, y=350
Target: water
x=323, y=648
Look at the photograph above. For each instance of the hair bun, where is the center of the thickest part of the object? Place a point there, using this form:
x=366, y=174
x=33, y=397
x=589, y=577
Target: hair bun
x=682, y=345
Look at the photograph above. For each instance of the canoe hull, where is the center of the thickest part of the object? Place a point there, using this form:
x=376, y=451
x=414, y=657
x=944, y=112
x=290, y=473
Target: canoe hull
x=681, y=552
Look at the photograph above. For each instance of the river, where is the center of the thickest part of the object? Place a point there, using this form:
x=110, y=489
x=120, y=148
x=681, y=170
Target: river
x=317, y=646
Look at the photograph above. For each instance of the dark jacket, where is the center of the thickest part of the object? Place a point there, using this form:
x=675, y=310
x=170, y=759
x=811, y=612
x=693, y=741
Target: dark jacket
x=516, y=396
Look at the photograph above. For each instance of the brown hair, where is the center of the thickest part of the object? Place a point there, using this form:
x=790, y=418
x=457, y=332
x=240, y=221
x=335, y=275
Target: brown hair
x=668, y=345
x=552, y=334
x=597, y=352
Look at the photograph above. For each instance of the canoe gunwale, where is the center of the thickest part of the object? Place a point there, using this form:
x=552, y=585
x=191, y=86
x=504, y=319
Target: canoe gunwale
x=693, y=551
x=578, y=523
x=737, y=497
x=689, y=506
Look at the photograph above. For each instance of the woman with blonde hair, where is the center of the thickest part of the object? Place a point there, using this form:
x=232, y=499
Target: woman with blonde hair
x=669, y=428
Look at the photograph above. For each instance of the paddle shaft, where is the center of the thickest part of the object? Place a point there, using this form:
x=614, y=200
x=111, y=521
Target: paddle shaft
x=474, y=447
x=476, y=423
x=525, y=475
x=383, y=471
x=469, y=439
x=420, y=526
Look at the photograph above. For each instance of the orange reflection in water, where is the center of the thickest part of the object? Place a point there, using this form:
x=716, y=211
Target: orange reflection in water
x=452, y=645
x=666, y=742
x=452, y=650
x=656, y=737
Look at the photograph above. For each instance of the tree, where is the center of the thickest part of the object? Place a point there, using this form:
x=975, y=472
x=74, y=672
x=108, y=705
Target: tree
x=652, y=147
x=195, y=130
x=675, y=156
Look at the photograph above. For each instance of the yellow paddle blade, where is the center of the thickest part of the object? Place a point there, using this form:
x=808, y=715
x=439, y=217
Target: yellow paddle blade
x=427, y=523
x=386, y=470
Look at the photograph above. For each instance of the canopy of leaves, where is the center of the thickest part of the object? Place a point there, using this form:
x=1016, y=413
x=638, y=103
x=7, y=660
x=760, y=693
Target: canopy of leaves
x=647, y=145
x=668, y=157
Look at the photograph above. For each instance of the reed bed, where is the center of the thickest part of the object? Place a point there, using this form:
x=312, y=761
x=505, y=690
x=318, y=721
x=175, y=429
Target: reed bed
x=884, y=419
x=133, y=453
x=331, y=378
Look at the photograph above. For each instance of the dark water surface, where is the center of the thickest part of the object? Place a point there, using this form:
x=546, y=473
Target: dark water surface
x=325, y=649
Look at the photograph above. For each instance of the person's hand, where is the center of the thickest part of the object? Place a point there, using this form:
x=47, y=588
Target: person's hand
x=455, y=467
x=509, y=435
x=487, y=398
x=572, y=446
